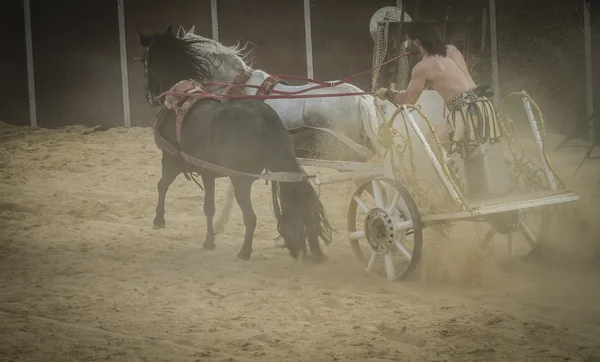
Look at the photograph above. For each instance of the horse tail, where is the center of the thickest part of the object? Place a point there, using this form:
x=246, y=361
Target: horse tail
x=276, y=206
x=298, y=210
x=223, y=219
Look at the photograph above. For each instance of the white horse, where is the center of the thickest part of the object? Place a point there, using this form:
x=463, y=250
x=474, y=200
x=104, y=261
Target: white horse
x=343, y=114
x=353, y=116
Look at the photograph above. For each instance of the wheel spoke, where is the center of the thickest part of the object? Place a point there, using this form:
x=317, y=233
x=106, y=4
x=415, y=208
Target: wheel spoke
x=371, y=262
x=527, y=234
x=403, y=225
x=488, y=237
x=389, y=266
x=403, y=208
x=394, y=203
x=357, y=235
x=362, y=204
x=403, y=250
x=378, y=194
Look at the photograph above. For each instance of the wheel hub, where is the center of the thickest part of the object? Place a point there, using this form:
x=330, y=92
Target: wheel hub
x=505, y=222
x=379, y=230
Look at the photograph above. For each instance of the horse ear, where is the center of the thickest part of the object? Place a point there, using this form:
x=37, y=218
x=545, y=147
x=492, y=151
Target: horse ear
x=191, y=31
x=145, y=39
x=169, y=30
x=180, y=32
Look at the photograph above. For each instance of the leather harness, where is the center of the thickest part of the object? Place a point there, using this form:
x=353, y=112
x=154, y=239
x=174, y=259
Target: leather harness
x=243, y=76
x=181, y=104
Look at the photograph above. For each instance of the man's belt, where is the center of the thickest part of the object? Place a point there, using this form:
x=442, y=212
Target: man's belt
x=470, y=96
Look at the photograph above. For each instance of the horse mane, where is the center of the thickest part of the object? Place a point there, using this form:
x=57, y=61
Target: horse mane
x=209, y=48
x=185, y=55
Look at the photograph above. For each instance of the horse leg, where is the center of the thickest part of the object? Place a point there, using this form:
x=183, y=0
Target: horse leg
x=242, y=188
x=209, y=211
x=169, y=174
x=306, y=257
x=317, y=256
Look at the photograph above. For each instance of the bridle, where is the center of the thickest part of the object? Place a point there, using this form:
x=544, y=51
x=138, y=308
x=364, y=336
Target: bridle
x=148, y=74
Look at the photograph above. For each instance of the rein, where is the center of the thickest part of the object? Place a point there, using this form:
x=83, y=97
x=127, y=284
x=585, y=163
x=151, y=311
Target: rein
x=284, y=94
x=345, y=80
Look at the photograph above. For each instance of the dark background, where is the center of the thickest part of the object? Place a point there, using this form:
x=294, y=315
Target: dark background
x=77, y=64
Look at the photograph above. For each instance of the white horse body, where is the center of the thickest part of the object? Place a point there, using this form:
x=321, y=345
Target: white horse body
x=345, y=114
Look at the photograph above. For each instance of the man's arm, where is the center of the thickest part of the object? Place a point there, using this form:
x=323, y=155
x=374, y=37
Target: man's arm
x=417, y=83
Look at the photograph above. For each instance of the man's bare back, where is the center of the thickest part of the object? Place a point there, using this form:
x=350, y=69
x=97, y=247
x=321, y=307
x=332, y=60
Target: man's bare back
x=448, y=75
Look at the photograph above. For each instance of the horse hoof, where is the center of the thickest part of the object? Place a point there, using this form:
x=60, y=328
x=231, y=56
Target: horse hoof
x=157, y=226
x=209, y=246
x=534, y=256
x=318, y=259
x=243, y=256
x=219, y=229
x=306, y=259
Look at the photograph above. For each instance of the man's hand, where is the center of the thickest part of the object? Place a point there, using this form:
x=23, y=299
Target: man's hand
x=381, y=93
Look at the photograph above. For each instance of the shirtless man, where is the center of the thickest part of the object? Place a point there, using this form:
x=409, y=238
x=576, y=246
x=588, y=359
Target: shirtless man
x=472, y=118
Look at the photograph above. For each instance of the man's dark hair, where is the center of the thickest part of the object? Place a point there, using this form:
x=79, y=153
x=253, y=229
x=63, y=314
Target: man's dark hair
x=429, y=38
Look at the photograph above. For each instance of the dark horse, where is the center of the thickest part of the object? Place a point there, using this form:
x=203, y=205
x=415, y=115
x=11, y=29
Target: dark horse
x=243, y=135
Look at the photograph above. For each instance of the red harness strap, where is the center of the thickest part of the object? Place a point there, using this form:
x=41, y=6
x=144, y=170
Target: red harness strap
x=267, y=85
x=240, y=78
x=182, y=104
x=160, y=142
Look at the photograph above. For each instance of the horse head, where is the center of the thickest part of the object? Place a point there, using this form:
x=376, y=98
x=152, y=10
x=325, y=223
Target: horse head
x=225, y=62
x=169, y=58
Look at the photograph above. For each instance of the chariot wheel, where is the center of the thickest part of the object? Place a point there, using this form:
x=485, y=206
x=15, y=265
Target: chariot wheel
x=521, y=233
x=383, y=220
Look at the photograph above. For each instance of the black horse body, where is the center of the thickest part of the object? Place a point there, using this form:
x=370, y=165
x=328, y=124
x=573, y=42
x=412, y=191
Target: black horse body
x=242, y=135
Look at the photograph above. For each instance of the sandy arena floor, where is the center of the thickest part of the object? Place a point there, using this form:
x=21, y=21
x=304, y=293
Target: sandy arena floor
x=84, y=277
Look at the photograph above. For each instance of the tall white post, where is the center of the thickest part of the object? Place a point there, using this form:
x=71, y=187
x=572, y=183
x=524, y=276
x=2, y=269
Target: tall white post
x=588, y=60
x=214, y=21
x=308, y=36
x=30, y=75
x=124, y=73
x=494, y=48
